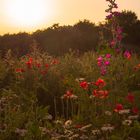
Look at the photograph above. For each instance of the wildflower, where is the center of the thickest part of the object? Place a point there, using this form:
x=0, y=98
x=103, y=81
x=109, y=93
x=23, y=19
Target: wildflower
x=100, y=93
x=68, y=133
x=127, y=122
x=38, y=65
x=29, y=63
x=109, y=16
x=78, y=126
x=58, y=122
x=47, y=66
x=21, y=132
x=100, y=83
x=130, y=98
x=96, y=132
x=127, y=54
x=99, y=63
x=84, y=137
x=91, y=96
x=108, y=113
x=84, y=85
x=135, y=110
x=108, y=56
x=44, y=130
x=68, y=123
x=107, y=63
x=19, y=70
x=100, y=58
x=118, y=107
x=55, y=61
x=43, y=72
x=49, y=117
x=107, y=127
x=133, y=117
x=103, y=71
x=112, y=43
x=124, y=111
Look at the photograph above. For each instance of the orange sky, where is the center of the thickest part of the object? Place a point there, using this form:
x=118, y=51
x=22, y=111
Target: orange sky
x=55, y=11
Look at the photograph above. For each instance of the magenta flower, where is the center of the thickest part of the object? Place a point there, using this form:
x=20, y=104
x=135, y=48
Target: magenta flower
x=127, y=54
x=107, y=63
x=108, y=56
x=100, y=58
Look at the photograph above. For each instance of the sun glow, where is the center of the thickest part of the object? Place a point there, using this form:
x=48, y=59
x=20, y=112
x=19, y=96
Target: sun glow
x=29, y=13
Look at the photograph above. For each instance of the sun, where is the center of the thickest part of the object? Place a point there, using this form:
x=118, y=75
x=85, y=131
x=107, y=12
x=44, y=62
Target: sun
x=29, y=13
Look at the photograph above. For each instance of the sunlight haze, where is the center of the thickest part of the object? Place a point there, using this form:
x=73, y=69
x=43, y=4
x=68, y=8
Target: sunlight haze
x=30, y=15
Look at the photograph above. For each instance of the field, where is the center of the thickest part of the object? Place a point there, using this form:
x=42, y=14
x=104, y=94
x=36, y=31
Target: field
x=86, y=93
x=89, y=96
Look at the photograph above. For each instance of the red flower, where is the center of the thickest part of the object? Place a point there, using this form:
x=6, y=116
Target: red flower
x=19, y=70
x=38, y=65
x=47, y=66
x=29, y=63
x=78, y=126
x=118, y=107
x=43, y=72
x=55, y=61
x=84, y=85
x=130, y=98
x=68, y=94
x=135, y=110
x=100, y=83
x=100, y=93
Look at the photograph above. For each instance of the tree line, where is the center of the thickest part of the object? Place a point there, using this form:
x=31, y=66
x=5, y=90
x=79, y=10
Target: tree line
x=82, y=36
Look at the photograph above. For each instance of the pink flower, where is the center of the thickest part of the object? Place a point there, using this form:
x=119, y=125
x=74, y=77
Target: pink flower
x=99, y=63
x=103, y=71
x=100, y=58
x=127, y=54
x=107, y=63
x=112, y=43
x=108, y=55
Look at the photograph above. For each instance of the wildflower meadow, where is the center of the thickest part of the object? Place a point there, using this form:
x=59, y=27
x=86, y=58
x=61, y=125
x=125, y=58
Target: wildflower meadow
x=89, y=96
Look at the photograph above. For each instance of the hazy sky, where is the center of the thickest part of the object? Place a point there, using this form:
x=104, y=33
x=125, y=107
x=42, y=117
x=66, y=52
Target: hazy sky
x=29, y=15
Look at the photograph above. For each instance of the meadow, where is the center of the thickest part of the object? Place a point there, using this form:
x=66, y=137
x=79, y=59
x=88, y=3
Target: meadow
x=76, y=96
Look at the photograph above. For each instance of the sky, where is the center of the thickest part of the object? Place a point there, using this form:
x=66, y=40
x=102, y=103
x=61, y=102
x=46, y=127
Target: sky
x=30, y=15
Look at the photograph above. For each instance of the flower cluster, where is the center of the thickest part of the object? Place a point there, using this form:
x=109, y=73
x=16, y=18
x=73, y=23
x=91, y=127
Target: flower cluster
x=30, y=63
x=103, y=62
x=69, y=95
x=99, y=92
x=112, y=6
x=131, y=100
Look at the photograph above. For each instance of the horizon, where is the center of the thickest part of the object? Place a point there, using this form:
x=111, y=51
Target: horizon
x=45, y=13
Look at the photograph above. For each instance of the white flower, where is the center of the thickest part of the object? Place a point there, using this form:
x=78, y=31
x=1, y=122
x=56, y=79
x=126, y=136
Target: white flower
x=124, y=111
x=73, y=97
x=107, y=127
x=133, y=117
x=21, y=132
x=96, y=132
x=127, y=122
x=58, y=122
x=68, y=123
x=44, y=130
x=108, y=113
x=91, y=97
